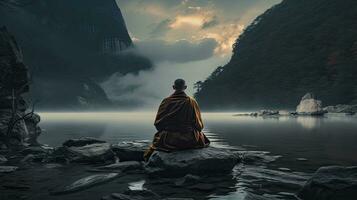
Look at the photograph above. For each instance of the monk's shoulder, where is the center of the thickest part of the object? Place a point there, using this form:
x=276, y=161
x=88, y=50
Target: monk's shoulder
x=192, y=100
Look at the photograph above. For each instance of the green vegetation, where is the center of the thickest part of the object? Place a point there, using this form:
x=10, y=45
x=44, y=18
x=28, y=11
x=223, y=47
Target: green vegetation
x=293, y=48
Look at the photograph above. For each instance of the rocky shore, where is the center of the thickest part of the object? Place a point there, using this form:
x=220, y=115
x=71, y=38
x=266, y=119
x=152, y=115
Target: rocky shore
x=308, y=106
x=95, y=169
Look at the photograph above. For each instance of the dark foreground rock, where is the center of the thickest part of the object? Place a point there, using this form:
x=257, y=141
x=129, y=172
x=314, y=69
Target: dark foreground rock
x=17, y=127
x=7, y=169
x=86, y=182
x=196, y=161
x=84, y=150
x=131, y=151
x=121, y=166
x=333, y=182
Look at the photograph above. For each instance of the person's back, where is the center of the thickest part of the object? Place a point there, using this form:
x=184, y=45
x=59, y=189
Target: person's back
x=178, y=122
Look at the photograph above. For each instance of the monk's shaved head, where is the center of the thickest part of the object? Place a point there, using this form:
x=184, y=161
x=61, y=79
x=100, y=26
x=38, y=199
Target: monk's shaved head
x=179, y=84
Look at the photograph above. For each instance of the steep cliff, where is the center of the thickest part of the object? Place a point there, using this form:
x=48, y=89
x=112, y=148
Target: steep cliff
x=293, y=48
x=70, y=46
x=17, y=127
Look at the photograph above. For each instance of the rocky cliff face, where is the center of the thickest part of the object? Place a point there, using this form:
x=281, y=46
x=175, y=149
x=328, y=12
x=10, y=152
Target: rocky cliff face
x=293, y=48
x=70, y=46
x=16, y=126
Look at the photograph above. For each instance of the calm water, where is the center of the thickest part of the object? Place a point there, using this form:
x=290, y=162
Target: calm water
x=301, y=144
x=321, y=140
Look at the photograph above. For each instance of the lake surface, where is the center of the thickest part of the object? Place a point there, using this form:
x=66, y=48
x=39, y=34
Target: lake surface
x=300, y=144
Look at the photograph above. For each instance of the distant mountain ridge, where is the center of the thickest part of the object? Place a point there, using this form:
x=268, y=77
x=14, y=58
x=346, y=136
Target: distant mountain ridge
x=70, y=46
x=293, y=48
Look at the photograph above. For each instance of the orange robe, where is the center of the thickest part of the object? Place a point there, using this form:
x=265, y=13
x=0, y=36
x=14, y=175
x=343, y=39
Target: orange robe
x=179, y=125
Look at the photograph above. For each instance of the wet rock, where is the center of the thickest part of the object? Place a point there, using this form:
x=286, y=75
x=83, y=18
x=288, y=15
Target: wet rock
x=8, y=169
x=28, y=158
x=310, y=106
x=3, y=159
x=84, y=150
x=82, y=142
x=268, y=112
x=178, y=199
x=119, y=196
x=131, y=151
x=250, y=157
x=87, y=182
x=195, y=161
x=341, y=108
x=134, y=195
x=333, y=182
x=189, y=179
x=122, y=166
x=203, y=187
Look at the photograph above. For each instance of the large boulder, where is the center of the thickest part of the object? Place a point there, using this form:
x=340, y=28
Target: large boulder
x=195, y=161
x=333, y=182
x=84, y=150
x=309, y=106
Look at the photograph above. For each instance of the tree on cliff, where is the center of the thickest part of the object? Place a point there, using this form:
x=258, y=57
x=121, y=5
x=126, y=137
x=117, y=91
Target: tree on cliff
x=293, y=48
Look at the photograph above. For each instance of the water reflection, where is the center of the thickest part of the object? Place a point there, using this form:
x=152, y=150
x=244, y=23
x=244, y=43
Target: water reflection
x=309, y=122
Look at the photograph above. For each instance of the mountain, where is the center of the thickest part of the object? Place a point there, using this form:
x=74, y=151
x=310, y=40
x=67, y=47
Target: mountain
x=70, y=47
x=293, y=48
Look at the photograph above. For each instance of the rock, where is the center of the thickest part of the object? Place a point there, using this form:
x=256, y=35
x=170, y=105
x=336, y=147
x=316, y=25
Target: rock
x=196, y=161
x=8, y=169
x=81, y=142
x=28, y=158
x=131, y=151
x=124, y=197
x=340, y=108
x=256, y=157
x=332, y=182
x=3, y=159
x=189, y=179
x=203, y=187
x=309, y=106
x=285, y=113
x=122, y=166
x=84, y=150
x=87, y=182
x=33, y=128
x=14, y=82
x=268, y=112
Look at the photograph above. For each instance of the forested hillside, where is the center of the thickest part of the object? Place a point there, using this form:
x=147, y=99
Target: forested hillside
x=293, y=48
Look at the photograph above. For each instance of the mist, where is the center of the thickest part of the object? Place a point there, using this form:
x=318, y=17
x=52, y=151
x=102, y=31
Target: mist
x=145, y=90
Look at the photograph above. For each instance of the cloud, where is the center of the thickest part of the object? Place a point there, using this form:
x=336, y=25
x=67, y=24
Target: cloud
x=211, y=23
x=146, y=89
x=161, y=29
x=180, y=51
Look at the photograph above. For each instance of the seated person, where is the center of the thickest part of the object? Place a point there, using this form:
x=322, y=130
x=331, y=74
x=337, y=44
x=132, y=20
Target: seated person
x=178, y=122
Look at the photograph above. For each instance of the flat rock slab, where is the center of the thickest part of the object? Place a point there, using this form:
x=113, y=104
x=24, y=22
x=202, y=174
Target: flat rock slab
x=131, y=151
x=3, y=159
x=333, y=182
x=122, y=166
x=84, y=150
x=195, y=161
x=8, y=169
x=86, y=182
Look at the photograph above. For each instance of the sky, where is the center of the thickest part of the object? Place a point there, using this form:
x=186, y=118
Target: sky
x=184, y=39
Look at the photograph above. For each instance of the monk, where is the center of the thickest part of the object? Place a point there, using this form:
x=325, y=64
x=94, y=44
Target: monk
x=178, y=122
